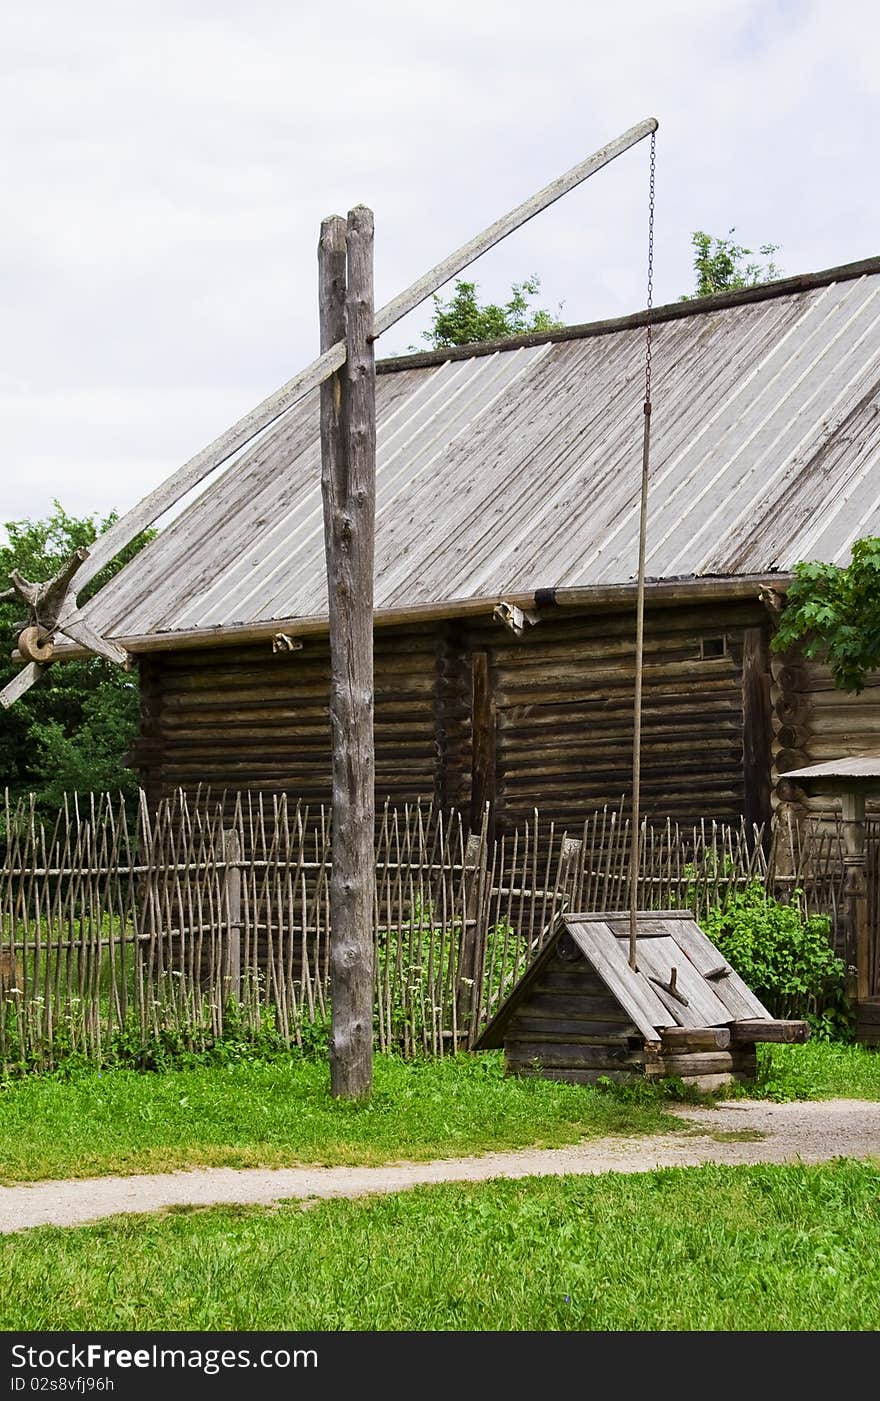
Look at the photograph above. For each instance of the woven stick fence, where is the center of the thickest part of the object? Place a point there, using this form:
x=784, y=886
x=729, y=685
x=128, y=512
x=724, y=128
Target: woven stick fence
x=213, y=911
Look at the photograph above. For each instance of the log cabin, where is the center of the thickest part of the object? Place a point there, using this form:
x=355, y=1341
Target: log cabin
x=506, y=548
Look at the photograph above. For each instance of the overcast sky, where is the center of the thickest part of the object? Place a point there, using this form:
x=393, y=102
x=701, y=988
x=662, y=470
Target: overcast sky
x=167, y=166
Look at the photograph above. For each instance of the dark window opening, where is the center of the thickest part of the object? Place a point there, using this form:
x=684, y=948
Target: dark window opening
x=713, y=647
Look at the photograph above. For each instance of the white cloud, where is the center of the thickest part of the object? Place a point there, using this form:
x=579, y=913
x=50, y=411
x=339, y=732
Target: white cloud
x=168, y=165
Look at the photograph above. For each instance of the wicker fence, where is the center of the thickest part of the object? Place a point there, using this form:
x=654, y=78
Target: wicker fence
x=113, y=923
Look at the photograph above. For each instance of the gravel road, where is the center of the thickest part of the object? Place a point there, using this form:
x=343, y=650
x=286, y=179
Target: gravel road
x=808, y=1132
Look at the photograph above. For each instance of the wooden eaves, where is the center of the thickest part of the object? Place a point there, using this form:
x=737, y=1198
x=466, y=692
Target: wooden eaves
x=659, y=593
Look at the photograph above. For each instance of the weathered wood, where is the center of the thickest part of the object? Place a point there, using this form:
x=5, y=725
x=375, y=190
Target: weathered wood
x=473, y=934
x=575, y=1030
x=332, y=358
x=231, y=852
x=757, y=726
x=659, y=594
x=20, y=683
x=348, y=447
x=672, y=311
x=734, y=994
x=646, y=1009
x=699, y=1063
x=524, y=1050
x=568, y=1004
x=483, y=765
x=856, y=891
x=789, y=1033
x=868, y=1022
x=691, y=1038
x=570, y=1076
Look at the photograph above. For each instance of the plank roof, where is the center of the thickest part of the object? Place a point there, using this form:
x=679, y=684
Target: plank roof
x=509, y=469
x=715, y=995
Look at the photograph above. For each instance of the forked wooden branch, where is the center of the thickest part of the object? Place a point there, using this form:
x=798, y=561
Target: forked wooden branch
x=46, y=603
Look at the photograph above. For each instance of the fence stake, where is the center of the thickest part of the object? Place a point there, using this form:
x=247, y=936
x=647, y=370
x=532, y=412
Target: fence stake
x=231, y=850
x=473, y=932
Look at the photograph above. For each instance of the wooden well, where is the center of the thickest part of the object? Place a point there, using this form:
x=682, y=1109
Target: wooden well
x=580, y=1012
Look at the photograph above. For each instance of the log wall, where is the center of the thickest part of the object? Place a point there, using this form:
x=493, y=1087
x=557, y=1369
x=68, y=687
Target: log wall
x=247, y=718
x=467, y=713
x=812, y=721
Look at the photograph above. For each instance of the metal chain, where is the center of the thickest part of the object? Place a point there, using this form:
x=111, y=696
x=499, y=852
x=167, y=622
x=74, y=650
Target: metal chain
x=650, y=275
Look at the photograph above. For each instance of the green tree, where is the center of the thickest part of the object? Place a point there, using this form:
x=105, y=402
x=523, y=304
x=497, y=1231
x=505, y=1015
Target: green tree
x=720, y=266
x=833, y=614
x=71, y=731
x=462, y=321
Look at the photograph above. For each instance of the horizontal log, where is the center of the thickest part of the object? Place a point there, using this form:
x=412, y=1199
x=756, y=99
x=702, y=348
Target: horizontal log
x=569, y=1004
x=570, y=1076
x=704, y=1038
x=700, y=1063
x=570, y=1031
x=598, y=598
x=789, y=1033
x=525, y=1051
x=571, y=978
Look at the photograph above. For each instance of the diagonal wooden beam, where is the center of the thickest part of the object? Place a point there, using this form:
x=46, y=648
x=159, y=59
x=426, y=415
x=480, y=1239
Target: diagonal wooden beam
x=157, y=502
x=169, y=492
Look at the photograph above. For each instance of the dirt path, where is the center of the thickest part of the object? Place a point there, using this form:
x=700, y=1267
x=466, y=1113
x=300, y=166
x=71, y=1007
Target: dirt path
x=806, y=1132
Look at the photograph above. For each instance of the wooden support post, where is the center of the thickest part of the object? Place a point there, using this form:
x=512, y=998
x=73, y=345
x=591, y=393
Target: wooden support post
x=232, y=904
x=483, y=743
x=856, y=891
x=757, y=730
x=473, y=935
x=348, y=479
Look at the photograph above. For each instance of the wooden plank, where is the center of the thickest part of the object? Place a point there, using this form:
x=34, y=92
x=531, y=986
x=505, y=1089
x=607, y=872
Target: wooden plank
x=757, y=728
x=483, y=742
x=567, y=1004
x=700, y=1063
x=20, y=683
x=733, y=992
x=331, y=359
x=685, y=1038
x=524, y=1052
x=790, y=1033
x=314, y=624
x=650, y=918
x=564, y=978
x=634, y=995
x=570, y=1031
x=656, y=958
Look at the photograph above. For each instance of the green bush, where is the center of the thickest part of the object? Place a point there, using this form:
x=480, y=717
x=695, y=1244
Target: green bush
x=785, y=957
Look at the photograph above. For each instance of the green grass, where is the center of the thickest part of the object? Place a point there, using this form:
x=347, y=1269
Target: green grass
x=781, y=1248
x=280, y=1112
x=819, y=1070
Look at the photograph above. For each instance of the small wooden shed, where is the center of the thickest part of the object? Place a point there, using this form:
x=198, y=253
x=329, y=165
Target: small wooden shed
x=581, y=1012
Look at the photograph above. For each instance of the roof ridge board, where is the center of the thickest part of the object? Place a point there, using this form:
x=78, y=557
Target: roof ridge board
x=670, y=311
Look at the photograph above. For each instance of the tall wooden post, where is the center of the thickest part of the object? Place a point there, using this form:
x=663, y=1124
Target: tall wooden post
x=856, y=891
x=231, y=969
x=348, y=480
x=757, y=732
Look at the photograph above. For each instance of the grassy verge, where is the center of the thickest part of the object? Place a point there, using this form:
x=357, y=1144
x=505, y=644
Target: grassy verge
x=269, y=1113
x=272, y=1113
x=819, y=1070
x=787, y=1248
